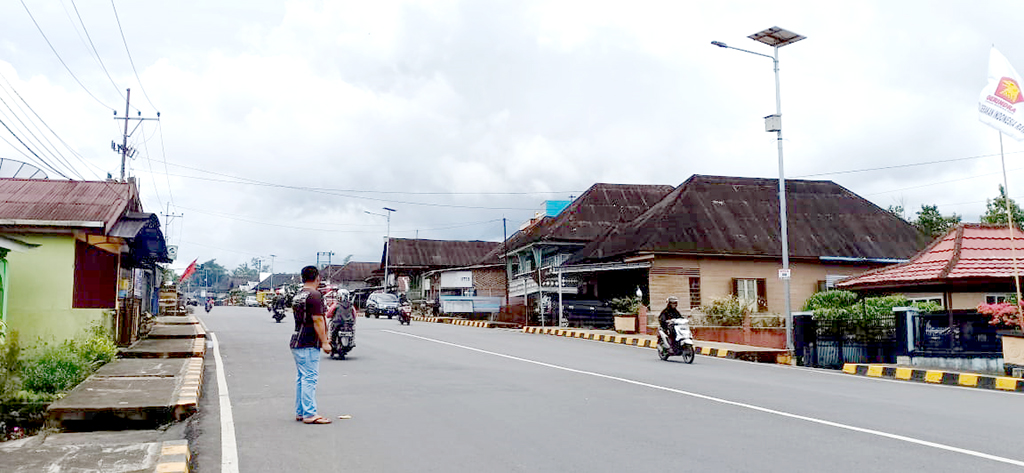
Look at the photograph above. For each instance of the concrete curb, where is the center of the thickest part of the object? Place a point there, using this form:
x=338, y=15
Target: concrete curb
x=174, y=457
x=631, y=340
x=467, y=323
x=949, y=378
x=187, y=401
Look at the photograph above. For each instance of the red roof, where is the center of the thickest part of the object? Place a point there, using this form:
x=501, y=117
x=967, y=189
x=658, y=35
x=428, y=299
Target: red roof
x=23, y=201
x=967, y=251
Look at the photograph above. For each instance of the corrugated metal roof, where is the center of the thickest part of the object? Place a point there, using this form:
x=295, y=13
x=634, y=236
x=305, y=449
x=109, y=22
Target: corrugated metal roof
x=66, y=201
x=351, y=271
x=436, y=254
x=740, y=216
x=967, y=251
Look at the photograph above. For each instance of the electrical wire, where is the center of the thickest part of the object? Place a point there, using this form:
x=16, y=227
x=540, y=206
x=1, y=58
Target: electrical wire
x=150, y=162
x=163, y=157
x=41, y=160
x=899, y=166
x=51, y=150
x=97, y=53
x=62, y=59
x=130, y=60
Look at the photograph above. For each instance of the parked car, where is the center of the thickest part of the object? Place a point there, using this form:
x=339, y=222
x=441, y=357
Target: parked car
x=380, y=303
x=580, y=311
x=251, y=301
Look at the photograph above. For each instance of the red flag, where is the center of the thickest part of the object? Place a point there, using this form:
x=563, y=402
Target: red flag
x=189, y=271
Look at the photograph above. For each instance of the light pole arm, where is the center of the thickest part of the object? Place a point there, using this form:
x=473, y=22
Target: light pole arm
x=723, y=45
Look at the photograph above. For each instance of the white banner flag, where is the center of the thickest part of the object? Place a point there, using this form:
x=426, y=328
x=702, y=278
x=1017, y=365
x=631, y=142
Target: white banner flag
x=1002, y=104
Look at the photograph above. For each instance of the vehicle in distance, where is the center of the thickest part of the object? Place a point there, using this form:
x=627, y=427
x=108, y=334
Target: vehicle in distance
x=251, y=301
x=380, y=303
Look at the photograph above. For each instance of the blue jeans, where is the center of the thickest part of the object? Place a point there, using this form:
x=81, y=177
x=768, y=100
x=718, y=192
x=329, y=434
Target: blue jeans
x=307, y=363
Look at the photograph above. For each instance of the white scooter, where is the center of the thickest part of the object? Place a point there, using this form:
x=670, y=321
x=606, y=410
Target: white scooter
x=681, y=346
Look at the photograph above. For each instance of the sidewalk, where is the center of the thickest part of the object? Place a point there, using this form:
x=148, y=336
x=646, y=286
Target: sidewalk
x=935, y=376
x=153, y=386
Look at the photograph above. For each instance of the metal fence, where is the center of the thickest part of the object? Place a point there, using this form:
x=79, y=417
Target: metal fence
x=961, y=333
x=829, y=343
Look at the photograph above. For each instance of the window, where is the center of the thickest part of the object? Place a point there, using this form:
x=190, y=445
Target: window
x=752, y=293
x=996, y=298
x=695, y=293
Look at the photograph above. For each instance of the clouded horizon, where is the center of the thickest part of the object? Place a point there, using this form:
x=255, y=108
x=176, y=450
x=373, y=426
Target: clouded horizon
x=282, y=123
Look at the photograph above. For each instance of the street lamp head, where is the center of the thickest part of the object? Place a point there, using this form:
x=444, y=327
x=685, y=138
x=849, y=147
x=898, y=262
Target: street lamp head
x=389, y=210
x=776, y=37
x=719, y=44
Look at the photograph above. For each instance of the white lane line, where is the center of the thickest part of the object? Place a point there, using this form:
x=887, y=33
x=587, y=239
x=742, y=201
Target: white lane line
x=879, y=433
x=228, y=448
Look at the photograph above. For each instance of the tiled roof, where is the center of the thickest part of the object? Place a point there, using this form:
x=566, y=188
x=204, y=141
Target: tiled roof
x=969, y=251
x=66, y=201
x=740, y=216
x=436, y=254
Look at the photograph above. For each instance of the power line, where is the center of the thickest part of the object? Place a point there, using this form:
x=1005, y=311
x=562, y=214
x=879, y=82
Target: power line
x=93, y=46
x=899, y=166
x=52, y=150
x=61, y=59
x=163, y=156
x=130, y=60
x=41, y=160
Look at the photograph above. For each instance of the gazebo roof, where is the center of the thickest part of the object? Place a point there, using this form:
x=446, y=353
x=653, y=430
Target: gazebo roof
x=968, y=252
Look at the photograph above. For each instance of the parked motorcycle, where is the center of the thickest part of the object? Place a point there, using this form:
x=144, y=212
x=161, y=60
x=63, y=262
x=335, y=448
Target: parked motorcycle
x=405, y=314
x=681, y=346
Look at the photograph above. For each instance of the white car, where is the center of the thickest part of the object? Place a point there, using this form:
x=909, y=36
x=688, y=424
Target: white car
x=250, y=301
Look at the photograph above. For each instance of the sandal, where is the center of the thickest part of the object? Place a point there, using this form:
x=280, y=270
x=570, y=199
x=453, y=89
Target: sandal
x=298, y=418
x=316, y=420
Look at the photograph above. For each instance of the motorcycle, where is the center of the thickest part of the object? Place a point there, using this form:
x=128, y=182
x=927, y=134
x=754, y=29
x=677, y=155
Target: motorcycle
x=278, y=310
x=343, y=338
x=681, y=346
x=405, y=314
x=209, y=305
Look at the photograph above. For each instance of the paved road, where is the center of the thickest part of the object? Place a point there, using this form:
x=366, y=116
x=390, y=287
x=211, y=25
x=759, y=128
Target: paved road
x=442, y=398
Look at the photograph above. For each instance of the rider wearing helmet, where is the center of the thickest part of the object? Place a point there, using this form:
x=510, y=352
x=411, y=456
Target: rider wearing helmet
x=670, y=312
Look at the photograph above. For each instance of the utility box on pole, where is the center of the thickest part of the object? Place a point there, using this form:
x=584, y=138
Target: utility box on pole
x=773, y=123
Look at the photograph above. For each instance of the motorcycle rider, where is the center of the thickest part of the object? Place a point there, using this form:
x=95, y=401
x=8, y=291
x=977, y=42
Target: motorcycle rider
x=667, y=314
x=342, y=312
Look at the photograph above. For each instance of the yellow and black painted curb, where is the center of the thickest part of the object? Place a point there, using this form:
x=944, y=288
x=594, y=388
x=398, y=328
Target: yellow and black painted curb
x=174, y=457
x=950, y=378
x=466, y=323
x=433, y=320
x=631, y=340
x=199, y=347
x=187, y=400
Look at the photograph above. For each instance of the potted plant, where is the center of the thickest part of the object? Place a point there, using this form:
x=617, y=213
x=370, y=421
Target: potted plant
x=626, y=310
x=1006, y=315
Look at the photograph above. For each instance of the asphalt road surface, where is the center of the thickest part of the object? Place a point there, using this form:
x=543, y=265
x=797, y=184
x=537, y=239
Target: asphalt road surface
x=443, y=398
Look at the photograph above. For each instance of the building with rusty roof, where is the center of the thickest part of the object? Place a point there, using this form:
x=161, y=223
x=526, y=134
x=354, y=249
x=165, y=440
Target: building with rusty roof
x=97, y=252
x=351, y=275
x=408, y=259
x=715, y=236
x=550, y=241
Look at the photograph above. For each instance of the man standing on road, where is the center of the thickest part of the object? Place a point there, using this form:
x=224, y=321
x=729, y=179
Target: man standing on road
x=310, y=335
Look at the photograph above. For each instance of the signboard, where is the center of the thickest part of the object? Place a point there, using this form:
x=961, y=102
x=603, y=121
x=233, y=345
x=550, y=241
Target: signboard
x=172, y=252
x=785, y=273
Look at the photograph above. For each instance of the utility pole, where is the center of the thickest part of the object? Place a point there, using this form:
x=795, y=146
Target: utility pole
x=123, y=148
x=504, y=257
x=168, y=216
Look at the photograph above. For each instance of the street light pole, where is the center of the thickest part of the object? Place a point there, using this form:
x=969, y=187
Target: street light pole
x=777, y=37
x=271, y=272
x=387, y=242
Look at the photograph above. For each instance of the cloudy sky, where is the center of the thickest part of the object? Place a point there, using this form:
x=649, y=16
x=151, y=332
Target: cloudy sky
x=283, y=122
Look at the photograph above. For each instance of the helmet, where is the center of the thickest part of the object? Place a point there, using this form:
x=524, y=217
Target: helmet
x=672, y=299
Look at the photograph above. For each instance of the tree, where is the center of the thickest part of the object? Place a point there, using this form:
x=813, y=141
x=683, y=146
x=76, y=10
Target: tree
x=211, y=271
x=896, y=210
x=244, y=271
x=996, y=210
x=932, y=223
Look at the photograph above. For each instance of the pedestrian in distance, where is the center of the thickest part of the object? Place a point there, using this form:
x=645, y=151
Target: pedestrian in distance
x=309, y=337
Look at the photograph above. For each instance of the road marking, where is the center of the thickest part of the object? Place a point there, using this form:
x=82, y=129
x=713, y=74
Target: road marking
x=228, y=448
x=766, y=410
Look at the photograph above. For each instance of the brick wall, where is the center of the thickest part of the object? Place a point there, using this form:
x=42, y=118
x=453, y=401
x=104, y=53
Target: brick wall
x=489, y=281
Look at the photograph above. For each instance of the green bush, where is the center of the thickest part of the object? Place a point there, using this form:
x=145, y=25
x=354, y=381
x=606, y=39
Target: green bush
x=58, y=369
x=845, y=305
x=625, y=305
x=10, y=364
x=725, y=311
